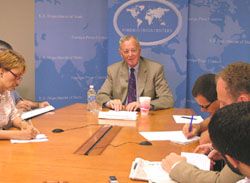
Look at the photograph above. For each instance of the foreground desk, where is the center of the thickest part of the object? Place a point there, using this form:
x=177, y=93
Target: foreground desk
x=55, y=161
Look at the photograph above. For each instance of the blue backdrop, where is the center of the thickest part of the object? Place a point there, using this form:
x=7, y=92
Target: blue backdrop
x=70, y=49
x=76, y=41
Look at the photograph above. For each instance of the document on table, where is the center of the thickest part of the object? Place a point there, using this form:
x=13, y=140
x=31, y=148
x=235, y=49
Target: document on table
x=187, y=119
x=117, y=122
x=199, y=160
x=151, y=171
x=122, y=115
x=36, y=112
x=39, y=138
x=174, y=136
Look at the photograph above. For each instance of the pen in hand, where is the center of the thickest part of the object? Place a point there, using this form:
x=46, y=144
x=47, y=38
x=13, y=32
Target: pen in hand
x=191, y=124
x=185, y=117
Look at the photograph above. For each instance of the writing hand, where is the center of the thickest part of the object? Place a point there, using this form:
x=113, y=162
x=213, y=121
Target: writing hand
x=204, y=148
x=26, y=134
x=215, y=155
x=171, y=159
x=192, y=133
x=27, y=125
x=23, y=105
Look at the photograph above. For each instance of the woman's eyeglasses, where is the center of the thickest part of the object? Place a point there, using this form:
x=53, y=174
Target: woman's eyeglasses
x=15, y=75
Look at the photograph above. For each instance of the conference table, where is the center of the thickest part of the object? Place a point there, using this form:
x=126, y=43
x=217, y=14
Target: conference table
x=57, y=160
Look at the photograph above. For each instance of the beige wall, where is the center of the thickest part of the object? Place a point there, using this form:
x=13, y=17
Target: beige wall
x=17, y=28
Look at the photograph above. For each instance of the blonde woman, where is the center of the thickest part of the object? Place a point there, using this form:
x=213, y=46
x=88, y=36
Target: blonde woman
x=12, y=68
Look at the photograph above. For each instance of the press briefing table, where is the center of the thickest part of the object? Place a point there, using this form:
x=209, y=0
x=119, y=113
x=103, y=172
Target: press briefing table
x=55, y=161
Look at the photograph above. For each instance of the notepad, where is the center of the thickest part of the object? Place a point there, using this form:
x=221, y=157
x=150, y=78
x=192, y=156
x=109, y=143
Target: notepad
x=174, y=136
x=151, y=171
x=39, y=138
x=122, y=115
x=199, y=160
x=36, y=112
x=186, y=119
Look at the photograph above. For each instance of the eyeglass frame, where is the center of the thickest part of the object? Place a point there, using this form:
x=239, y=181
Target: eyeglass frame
x=133, y=51
x=206, y=106
x=15, y=75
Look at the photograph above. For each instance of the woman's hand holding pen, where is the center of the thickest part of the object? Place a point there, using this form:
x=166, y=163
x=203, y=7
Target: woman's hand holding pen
x=24, y=105
x=28, y=126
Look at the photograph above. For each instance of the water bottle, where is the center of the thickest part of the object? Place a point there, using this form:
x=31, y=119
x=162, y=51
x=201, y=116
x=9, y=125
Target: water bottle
x=91, y=97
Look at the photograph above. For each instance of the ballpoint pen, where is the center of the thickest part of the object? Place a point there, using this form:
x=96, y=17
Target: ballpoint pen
x=191, y=125
x=186, y=117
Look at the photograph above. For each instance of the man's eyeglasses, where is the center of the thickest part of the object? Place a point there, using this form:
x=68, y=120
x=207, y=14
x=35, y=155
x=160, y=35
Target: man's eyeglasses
x=133, y=51
x=206, y=106
x=15, y=75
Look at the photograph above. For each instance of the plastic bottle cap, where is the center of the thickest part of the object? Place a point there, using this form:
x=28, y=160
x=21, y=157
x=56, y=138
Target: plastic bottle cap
x=91, y=86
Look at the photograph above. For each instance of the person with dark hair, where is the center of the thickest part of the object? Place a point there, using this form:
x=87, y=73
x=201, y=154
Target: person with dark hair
x=12, y=68
x=205, y=95
x=21, y=104
x=4, y=45
x=232, y=122
x=232, y=86
x=133, y=77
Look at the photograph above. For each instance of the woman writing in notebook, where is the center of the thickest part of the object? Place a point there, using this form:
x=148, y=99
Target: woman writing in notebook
x=12, y=68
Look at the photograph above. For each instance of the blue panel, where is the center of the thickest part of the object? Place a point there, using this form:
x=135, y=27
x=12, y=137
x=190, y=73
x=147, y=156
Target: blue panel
x=70, y=49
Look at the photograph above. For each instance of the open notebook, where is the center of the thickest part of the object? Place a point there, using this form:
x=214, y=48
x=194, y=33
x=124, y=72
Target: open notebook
x=36, y=112
x=152, y=171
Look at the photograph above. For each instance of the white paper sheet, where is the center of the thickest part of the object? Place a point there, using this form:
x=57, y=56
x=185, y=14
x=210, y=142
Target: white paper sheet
x=39, y=138
x=36, y=112
x=199, y=160
x=174, y=136
x=123, y=115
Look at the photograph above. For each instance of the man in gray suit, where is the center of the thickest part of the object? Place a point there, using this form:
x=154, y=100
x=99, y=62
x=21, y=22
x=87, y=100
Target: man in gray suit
x=233, y=85
x=149, y=80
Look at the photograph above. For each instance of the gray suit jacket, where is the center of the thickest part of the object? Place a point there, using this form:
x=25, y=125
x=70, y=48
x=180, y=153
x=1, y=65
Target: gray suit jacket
x=187, y=173
x=150, y=82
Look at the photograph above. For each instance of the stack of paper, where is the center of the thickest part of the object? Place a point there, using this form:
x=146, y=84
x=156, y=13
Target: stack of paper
x=174, y=136
x=113, y=122
x=36, y=112
x=122, y=115
x=39, y=138
x=187, y=119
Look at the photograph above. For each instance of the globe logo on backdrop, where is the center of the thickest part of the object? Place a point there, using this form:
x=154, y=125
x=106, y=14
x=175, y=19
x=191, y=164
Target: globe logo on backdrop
x=153, y=22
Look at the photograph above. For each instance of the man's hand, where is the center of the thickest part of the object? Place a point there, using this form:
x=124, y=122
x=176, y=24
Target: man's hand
x=133, y=106
x=194, y=132
x=115, y=104
x=204, y=148
x=215, y=155
x=170, y=160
